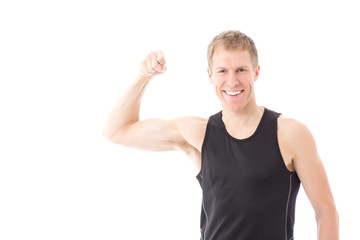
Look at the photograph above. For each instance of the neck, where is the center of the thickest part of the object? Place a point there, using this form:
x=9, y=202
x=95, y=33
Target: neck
x=246, y=116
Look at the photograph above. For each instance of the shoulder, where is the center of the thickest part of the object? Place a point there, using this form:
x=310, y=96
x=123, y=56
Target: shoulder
x=292, y=127
x=190, y=123
x=192, y=129
x=296, y=134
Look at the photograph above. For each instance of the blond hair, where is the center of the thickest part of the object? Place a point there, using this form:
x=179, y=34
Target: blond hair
x=232, y=39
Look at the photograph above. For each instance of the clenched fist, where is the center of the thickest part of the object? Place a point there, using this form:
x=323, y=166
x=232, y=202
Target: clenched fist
x=153, y=64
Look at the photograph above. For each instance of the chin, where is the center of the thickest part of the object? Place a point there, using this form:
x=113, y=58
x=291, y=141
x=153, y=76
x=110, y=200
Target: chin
x=232, y=108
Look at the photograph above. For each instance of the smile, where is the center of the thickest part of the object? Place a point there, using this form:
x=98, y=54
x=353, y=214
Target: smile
x=233, y=93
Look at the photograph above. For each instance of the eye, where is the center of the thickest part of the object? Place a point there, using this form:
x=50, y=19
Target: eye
x=221, y=71
x=241, y=70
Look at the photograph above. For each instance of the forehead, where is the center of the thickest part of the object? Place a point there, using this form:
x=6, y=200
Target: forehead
x=224, y=55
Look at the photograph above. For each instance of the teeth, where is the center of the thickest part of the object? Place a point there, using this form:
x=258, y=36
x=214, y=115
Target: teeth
x=233, y=92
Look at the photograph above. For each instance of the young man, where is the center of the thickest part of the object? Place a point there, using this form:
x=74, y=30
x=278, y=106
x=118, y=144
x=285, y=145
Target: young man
x=250, y=159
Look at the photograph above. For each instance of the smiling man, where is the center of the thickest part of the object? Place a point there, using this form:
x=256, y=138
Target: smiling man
x=251, y=160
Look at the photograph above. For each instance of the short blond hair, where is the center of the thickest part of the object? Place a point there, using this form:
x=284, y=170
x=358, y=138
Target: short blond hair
x=232, y=39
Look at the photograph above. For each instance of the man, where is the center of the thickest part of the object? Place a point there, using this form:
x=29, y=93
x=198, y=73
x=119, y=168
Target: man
x=250, y=159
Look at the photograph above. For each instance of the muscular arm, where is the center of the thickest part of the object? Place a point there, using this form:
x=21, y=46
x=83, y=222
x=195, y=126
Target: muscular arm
x=125, y=128
x=311, y=172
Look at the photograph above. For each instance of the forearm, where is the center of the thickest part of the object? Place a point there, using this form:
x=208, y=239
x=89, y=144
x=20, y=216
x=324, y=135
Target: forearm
x=127, y=109
x=328, y=226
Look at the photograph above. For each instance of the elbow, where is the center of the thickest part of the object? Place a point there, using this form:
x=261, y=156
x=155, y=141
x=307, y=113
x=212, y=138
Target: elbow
x=329, y=213
x=117, y=137
x=328, y=225
x=108, y=134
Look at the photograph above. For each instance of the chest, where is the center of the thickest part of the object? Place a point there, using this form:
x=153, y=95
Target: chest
x=250, y=159
x=260, y=158
x=241, y=152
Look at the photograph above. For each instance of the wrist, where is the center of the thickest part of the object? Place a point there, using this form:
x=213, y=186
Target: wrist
x=143, y=78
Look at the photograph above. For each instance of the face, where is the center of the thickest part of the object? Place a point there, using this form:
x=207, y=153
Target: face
x=233, y=77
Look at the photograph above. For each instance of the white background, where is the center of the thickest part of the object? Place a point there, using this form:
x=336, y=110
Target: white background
x=64, y=65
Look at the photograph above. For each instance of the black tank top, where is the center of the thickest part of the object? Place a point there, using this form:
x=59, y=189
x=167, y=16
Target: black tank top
x=248, y=193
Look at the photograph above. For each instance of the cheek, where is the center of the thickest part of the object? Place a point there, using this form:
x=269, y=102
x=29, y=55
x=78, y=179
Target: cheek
x=250, y=84
x=219, y=81
x=248, y=80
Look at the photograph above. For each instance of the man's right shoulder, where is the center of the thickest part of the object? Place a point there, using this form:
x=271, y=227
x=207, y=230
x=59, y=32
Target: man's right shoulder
x=192, y=129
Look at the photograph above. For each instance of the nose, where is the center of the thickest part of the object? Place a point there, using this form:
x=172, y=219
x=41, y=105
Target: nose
x=232, y=80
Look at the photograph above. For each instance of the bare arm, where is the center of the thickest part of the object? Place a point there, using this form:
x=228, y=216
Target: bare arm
x=312, y=174
x=125, y=128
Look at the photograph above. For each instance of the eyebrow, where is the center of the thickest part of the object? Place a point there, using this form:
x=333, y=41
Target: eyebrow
x=236, y=67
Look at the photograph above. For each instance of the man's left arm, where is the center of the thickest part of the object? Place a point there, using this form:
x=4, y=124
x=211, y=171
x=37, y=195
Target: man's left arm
x=312, y=174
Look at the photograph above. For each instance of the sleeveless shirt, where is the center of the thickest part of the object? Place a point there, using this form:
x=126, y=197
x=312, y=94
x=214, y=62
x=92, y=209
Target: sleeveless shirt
x=247, y=191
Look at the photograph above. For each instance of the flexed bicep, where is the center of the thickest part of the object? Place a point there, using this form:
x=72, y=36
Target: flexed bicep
x=153, y=134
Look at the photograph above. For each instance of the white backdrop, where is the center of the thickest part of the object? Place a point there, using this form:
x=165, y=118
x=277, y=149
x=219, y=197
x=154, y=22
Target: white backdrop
x=64, y=65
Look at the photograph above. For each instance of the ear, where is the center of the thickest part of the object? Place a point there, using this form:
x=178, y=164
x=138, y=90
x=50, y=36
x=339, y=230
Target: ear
x=210, y=76
x=257, y=70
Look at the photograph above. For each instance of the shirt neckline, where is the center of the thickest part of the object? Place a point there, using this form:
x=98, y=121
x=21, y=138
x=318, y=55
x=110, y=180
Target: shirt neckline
x=251, y=136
